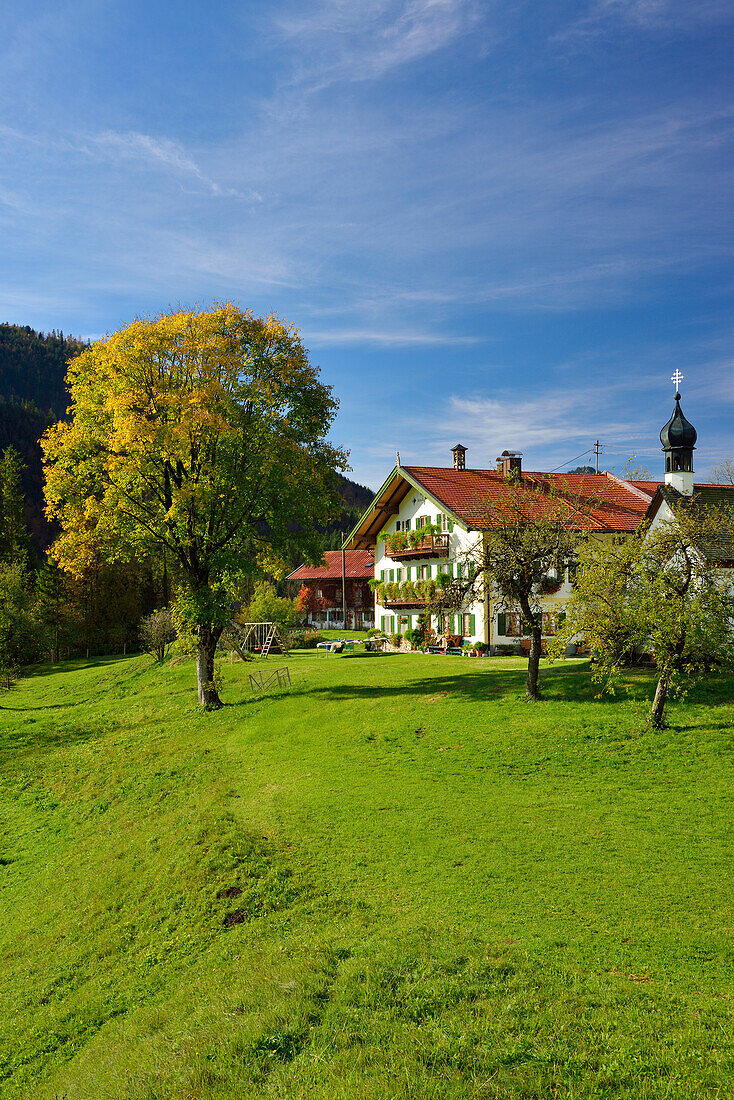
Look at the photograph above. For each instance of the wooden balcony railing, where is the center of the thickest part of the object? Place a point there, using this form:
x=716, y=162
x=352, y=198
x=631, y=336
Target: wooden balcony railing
x=403, y=603
x=430, y=546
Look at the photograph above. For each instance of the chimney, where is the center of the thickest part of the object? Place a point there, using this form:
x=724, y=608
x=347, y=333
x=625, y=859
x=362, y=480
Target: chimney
x=459, y=454
x=509, y=463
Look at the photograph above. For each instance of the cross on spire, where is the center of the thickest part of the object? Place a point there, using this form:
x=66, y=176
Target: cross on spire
x=676, y=378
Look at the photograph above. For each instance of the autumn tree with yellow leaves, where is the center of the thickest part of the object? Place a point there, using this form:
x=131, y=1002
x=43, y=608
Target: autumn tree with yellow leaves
x=201, y=434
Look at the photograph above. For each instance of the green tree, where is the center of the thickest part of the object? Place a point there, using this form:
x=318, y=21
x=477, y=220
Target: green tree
x=18, y=636
x=529, y=534
x=203, y=434
x=266, y=606
x=14, y=536
x=52, y=609
x=663, y=592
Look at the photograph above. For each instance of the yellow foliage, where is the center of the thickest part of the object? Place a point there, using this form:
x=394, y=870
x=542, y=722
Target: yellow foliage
x=200, y=432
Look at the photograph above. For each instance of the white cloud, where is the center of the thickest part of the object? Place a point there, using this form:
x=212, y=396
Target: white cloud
x=650, y=15
x=160, y=152
x=352, y=41
x=385, y=338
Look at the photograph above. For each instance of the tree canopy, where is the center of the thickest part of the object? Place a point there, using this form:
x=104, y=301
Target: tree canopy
x=201, y=433
x=662, y=591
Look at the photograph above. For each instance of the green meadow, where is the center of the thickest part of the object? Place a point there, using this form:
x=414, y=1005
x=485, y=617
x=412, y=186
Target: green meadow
x=394, y=879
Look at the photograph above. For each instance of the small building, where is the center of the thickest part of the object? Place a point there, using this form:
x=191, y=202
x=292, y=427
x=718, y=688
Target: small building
x=678, y=438
x=325, y=583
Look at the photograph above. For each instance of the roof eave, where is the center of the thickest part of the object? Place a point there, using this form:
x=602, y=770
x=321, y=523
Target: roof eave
x=402, y=472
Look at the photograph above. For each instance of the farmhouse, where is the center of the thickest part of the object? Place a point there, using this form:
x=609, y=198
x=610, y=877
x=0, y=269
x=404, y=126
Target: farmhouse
x=324, y=582
x=426, y=521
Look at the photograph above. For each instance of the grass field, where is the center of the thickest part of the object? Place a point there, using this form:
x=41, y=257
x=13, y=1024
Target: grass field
x=395, y=879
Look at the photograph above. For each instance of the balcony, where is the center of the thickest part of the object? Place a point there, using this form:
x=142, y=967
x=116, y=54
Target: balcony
x=403, y=603
x=405, y=549
x=410, y=594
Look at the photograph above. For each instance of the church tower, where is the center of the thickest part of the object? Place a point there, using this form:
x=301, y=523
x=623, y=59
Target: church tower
x=678, y=438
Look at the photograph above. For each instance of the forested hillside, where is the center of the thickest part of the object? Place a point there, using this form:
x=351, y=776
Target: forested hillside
x=33, y=395
x=33, y=366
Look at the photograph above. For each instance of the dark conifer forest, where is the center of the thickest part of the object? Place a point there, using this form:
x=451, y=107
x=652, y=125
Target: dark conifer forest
x=33, y=396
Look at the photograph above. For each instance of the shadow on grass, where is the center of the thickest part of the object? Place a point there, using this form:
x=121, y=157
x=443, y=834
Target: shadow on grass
x=46, y=706
x=78, y=664
x=569, y=683
x=480, y=683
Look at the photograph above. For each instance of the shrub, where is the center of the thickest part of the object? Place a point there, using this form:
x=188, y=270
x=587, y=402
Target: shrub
x=157, y=633
x=304, y=639
x=413, y=635
x=373, y=632
x=396, y=639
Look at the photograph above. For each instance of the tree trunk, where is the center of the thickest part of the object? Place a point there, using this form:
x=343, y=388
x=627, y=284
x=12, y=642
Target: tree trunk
x=205, y=653
x=657, y=714
x=532, y=686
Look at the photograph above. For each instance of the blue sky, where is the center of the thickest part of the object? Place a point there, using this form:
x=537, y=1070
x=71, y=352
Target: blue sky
x=498, y=223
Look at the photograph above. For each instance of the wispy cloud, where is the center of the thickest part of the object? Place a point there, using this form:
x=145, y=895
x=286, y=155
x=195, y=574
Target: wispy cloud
x=353, y=41
x=382, y=338
x=652, y=16
x=163, y=153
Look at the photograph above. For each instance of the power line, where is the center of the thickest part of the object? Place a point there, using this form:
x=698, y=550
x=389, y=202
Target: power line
x=570, y=460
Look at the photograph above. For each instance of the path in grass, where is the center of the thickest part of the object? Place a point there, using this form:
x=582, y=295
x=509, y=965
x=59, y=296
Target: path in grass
x=394, y=879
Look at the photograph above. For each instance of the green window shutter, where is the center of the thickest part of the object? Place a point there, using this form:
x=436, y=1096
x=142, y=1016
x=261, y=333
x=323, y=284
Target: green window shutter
x=407, y=572
x=438, y=521
x=450, y=569
x=502, y=623
x=407, y=525
x=392, y=576
x=458, y=570
x=472, y=625
x=452, y=625
x=383, y=574
x=451, y=526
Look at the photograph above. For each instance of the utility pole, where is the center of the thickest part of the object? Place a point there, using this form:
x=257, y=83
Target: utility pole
x=597, y=449
x=344, y=587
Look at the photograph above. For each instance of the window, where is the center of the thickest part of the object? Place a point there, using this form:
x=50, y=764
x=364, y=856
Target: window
x=421, y=522
x=467, y=625
x=551, y=622
x=513, y=624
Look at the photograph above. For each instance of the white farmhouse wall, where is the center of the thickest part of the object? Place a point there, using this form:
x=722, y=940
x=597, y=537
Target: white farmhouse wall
x=461, y=541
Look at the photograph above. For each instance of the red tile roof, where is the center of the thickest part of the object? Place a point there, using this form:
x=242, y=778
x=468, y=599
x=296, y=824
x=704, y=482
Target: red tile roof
x=648, y=487
x=470, y=494
x=360, y=565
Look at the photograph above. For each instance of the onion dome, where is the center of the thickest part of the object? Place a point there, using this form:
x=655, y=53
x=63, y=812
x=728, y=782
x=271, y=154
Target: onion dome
x=678, y=432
